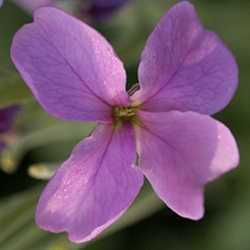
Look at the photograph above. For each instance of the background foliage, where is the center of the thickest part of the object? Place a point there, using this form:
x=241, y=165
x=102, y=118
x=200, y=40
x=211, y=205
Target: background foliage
x=149, y=224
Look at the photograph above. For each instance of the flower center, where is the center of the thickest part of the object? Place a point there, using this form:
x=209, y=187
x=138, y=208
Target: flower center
x=124, y=114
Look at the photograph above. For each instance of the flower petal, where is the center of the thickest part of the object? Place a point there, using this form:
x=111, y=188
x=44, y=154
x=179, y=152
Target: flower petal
x=71, y=69
x=184, y=67
x=180, y=152
x=94, y=187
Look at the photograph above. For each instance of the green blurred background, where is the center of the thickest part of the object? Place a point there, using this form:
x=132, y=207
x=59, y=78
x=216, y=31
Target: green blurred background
x=148, y=225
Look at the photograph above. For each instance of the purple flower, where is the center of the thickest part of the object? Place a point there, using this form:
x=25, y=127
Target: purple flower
x=163, y=132
x=100, y=9
x=7, y=116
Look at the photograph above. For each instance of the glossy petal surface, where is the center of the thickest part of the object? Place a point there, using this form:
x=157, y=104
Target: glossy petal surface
x=184, y=67
x=94, y=187
x=180, y=152
x=71, y=69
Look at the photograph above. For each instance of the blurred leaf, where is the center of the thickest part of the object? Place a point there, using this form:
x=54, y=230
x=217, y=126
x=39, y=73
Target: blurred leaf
x=11, y=19
x=12, y=89
x=18, y=231
x=231, y=230
x=63, y=132
x=134, y=22
x=147, y=204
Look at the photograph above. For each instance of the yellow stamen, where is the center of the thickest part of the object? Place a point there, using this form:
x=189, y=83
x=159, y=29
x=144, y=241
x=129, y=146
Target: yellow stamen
x=125, y=114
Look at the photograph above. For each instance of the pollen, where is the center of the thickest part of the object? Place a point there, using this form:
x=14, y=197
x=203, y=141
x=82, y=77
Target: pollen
x=124, y=114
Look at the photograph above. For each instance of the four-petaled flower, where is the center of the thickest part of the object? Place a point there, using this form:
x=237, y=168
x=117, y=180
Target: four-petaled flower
x=164, y=131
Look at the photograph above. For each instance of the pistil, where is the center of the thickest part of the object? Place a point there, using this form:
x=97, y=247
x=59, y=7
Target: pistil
x=124, y=114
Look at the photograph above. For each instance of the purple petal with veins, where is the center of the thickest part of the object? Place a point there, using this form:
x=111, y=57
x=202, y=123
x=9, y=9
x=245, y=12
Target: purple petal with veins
x=94, y=187
x=180, y=152
x=185, y=67
x=186, y=73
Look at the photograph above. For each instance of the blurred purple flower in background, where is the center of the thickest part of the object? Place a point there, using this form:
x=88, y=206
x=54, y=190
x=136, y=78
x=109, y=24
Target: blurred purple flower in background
x=100, y=9
x=164, y=131
x=7, y=117
x=96, y=9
